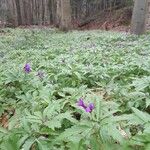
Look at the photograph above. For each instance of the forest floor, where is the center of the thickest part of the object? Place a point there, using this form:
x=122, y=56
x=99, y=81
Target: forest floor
x=38, y=102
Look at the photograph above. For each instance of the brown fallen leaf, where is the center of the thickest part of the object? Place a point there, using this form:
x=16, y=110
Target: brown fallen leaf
x=4, y=120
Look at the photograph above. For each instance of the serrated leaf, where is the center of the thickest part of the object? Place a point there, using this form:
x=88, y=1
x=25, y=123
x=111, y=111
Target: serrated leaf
x=95, y=143
x=28, y=143
x=42, y=145
x=143, y=116
x=141, y=83
x=52, y=109
x=22, y=140
x=73, y=132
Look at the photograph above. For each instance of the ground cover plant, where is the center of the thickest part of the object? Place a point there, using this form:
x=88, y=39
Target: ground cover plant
x=76, y=90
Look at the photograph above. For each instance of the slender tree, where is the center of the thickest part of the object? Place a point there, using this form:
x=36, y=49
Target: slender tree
x=139, y=16
x=65, y=20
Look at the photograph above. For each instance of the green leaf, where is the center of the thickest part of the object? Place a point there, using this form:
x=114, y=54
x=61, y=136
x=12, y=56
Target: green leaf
x=52, y=109
x=147, y=147
x=77, y=145
x=22, y=140
x=141, y=83
x=28, y=143
x=42, y=145
x=141, y=115
x=61, y=94
x=78, y=75
x=3, y=130
x=115, y=133
x=95, y=143
x=98, y=108
x=73, y=132
x=147, y=102
x=11, y=142
x=56, y=122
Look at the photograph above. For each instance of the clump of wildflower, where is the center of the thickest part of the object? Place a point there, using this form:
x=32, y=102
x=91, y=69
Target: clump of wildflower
x=88, y=108
x=27, y=68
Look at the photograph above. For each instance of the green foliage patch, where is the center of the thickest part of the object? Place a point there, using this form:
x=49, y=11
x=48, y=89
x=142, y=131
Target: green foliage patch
x=44, y=73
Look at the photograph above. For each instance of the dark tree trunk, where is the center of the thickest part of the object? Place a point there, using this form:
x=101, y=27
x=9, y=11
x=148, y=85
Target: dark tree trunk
x=139, y=16
x=18, y=12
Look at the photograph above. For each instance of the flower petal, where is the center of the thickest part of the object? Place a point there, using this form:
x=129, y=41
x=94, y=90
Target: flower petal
x=27, y=68
x=88, y=109
x=91, y=106
x=81, y=103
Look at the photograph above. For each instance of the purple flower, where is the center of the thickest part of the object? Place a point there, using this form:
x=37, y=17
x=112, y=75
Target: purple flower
x=88, y=108
x=81, y=103
x=91, y=106
x=27, y=68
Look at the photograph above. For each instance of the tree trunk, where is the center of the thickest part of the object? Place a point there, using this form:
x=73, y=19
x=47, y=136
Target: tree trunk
x=65, y=21
x=139, y=17
x=58, y=13
x=18, y=12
